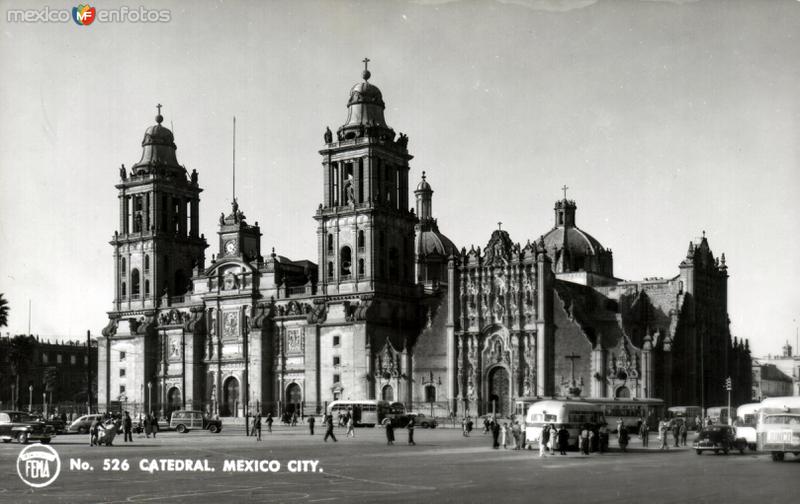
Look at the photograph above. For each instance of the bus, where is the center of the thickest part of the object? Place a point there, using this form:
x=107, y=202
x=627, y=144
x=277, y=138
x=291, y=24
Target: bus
x=689, y=414
x=719, y=415
x=573, y=415
x=368, y=412
x=746, y=422
x=521, y=406
x=778, y=428
x=631, y=411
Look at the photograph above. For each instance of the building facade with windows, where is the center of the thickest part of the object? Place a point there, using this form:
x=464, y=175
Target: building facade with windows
x=391, y=309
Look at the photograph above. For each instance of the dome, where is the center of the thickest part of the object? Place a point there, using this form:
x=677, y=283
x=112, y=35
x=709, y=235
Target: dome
x=423, y=184
x=364, y=109
x=579, y=242
x=158, y=147
x=432, y=242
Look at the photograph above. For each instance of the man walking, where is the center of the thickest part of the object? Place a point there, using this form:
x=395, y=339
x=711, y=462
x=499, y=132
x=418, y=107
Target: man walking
x=563, y=439
x=257, y=425
x=410, y=428
x=269, y=422
x=644, y=433
x=351, y=424
x=329, y=428
x=663, y=428
x=127, y=428
x=676, y=432
x=387, y=423
x=311, y=424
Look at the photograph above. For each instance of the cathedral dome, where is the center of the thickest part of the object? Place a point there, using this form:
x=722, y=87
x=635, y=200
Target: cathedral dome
x=158, y=147
x=573, y=249
x=364, y=109
x=431, y=242
x=579, y=242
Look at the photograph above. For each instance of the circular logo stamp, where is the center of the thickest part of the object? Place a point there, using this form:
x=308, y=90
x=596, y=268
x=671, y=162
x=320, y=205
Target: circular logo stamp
x=38, y=465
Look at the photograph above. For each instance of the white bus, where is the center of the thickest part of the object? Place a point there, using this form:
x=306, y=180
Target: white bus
x=778, y=428
x=631, y=411
x=689, y=414
x=745, y=423
x=571, y=414
x=368, y=412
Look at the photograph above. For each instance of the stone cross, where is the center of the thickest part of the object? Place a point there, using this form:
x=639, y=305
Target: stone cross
x=565, y=191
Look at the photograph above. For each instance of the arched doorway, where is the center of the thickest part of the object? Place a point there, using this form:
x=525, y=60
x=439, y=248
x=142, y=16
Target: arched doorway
x=623, y=393
x=387, y=393
x=173, y=400
x=230, y=398
x=498, y=392
x=294, y=398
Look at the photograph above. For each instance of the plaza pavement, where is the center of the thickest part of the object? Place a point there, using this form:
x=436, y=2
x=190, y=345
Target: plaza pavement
x=443, y=467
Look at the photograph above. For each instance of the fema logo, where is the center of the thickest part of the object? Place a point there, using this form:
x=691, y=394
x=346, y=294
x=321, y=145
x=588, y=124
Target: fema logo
x=38, y=465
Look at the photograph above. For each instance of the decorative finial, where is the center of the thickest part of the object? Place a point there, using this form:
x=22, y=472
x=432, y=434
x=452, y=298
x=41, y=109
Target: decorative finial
x=365, y=74
x=423, y=174
x=499, y=226
x=704, y=234
x=159, y=117
x=564, y=188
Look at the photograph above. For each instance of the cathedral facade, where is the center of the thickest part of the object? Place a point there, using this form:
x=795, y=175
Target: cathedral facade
x=392, y=309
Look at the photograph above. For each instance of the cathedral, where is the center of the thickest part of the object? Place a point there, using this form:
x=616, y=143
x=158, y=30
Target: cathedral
x=392, y=309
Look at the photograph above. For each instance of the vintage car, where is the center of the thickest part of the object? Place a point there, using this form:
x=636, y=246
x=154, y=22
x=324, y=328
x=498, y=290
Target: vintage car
x=421, y=420
x=185, y=420
x=719, y=438
x=82, y=424
x=22, y=427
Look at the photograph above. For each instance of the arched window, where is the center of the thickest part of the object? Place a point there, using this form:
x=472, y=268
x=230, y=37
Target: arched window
x=123, y=270
x=146, y=262
x=361, y=240
x=135, y=283
x=330, y=269
x=361, y=267
x=345, y=262
x=330, y=243
x=147, y=288
x=124, y=290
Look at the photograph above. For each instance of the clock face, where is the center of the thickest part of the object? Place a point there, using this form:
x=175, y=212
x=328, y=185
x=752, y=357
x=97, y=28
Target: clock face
x=230, y=246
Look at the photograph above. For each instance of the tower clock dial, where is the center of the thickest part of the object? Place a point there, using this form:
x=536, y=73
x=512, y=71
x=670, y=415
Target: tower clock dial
x=231, y=247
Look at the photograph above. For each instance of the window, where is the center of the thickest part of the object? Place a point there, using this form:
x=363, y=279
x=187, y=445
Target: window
x=345, y=263
x=336, y=340
x=72, y=359
x=59, y=358
x=146, y=262
x=122, y=372
x=330, y=269
x=122, y=356
x=44, y=358
x=361, y=240
x=135, y=283
x=124, y=290
x=330, y=243
x=122, y=389
x=123, y=271
x=430, y=393
x=337, y=378
x=361, y=267
x=147, y=288
x=337, y=360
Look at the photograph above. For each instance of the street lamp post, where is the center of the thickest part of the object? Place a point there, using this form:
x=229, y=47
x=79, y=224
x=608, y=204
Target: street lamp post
x=44, y=404
x=149, y=397
x=30, y=398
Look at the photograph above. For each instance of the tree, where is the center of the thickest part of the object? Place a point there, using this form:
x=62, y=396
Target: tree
x=3, y=311
x=20, y=356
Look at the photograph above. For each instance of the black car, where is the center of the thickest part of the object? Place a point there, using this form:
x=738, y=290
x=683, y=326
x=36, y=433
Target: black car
x=720, y=438
x=22, y=427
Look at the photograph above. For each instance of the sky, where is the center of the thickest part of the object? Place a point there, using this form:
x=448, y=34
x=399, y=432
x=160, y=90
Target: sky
x=664, y=118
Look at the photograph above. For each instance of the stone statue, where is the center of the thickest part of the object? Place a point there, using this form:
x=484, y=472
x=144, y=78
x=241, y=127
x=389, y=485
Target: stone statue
x=402, y=141
x=350, y=189
x=194, y=177
x=122, y=173
x=328, y=135
x=222, y=218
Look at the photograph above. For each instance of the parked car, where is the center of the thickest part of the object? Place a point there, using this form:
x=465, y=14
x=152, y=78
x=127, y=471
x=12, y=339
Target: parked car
x=423, y=421
x=185, y=420
x=720, y=438
x=81, y=424
x=22, y=427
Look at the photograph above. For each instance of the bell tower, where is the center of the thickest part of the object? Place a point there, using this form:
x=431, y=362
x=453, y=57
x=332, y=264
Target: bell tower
x=365, y=227
x=157, y=245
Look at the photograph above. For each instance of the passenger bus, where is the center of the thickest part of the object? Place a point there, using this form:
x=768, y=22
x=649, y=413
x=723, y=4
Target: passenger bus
x=368, y=412
x=522, y=404
x=746, y=422
x=778, y=428
x=631, y=411
x=573, y=415
x=689, y=414
x=719, y=415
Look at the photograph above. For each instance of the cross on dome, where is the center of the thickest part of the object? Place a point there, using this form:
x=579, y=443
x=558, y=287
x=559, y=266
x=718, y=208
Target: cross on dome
x=365, y=74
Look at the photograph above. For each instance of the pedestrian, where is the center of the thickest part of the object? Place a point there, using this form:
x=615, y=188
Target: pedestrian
x=329, y=428
x=684, y=431
x=619, y=424
x=387, y=424
x=623, y=438
x=544, y=438
x=504, y=435
x=469, y=425
x=294, y=419
x=663, y=427
x=602, y=434
x=257, y=425
x=350, y=427
x=127, y=428
x=410, y=427
x=148, y=425
x=676, y=432
x=269, y=422
x=464, y=427
x=94, y=430
x=584, y=440
x=494, y=426
x=644, y=433
x=486, y=424
x=311, y=424
x=553, y=439
x=154, y=423
x=516, y=433
x=562, y=439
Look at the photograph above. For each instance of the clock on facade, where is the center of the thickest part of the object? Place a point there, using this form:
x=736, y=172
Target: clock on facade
x=230, y=247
